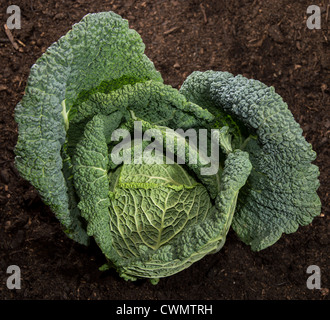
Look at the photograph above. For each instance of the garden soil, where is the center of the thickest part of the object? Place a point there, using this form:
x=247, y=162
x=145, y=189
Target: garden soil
x=266, y=40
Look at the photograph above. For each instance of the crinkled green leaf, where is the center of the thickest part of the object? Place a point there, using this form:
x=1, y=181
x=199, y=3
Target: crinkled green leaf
x=99, y=52
x=280, y=193
x=91, y=181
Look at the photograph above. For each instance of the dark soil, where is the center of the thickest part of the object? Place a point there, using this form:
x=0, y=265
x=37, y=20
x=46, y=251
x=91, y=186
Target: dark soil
x=263, y=39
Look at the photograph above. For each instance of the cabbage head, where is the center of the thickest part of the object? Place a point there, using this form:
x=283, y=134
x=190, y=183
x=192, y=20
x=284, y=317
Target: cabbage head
x=94, y=98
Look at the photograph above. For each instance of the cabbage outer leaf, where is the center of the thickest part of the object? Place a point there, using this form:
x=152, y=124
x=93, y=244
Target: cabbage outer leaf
x=280, y=193
x=99, y=53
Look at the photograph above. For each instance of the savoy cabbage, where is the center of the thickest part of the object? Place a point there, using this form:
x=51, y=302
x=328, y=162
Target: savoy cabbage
x=154, y=220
